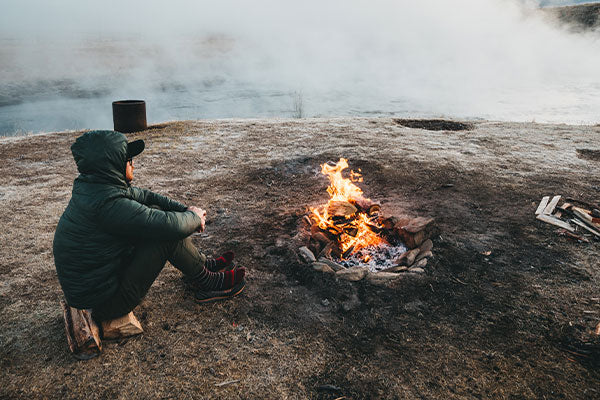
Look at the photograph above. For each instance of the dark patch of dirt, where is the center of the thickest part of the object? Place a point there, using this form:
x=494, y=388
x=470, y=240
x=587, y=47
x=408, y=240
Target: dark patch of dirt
x=587, y=154
x=579, y=17
x=434, y=124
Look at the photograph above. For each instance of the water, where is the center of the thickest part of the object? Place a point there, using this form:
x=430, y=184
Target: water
x=492, y=60
x=48, y=106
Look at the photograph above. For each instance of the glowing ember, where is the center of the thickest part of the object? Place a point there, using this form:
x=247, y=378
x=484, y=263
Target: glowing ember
x=348, y=216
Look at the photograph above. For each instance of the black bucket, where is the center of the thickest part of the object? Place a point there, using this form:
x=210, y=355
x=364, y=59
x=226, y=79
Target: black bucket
x=129, y=115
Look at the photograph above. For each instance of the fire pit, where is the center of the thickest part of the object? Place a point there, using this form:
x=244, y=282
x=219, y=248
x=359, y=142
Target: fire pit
x=352, y=238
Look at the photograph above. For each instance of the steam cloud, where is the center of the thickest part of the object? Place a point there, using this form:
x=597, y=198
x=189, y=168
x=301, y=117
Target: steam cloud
x=63, y=62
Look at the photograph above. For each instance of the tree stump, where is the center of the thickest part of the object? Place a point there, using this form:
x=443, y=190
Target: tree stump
x=83, y=334
x=121, y=327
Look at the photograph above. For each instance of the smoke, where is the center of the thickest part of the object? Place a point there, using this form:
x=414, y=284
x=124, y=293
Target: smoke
x=63, y=62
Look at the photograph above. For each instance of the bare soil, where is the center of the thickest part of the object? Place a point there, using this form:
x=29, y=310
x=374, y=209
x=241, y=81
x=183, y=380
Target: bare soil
x=507, y=310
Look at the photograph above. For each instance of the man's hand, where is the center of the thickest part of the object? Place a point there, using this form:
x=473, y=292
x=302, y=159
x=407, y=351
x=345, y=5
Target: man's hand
x=202, y=214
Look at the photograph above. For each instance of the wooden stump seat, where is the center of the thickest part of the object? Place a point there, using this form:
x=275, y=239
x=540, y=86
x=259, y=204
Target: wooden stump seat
x=83, y=334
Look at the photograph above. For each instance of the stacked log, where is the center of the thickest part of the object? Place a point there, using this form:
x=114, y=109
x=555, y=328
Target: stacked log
x=121, y=327
x=83, y=335
x=326, y=242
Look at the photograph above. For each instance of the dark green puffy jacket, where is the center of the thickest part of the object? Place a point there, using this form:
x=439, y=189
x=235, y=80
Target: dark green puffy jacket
x=105, y=216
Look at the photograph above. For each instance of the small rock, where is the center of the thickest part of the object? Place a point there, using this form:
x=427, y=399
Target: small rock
x=407, y=258
x=322, y=267
x=416, y=270
x=306, y=255
x=420, y=264
x=335, y=266
x=426, y=246
x=325, y=302
x=397, y=268
x=427, y=254
x=382, y=278
x=352, y=274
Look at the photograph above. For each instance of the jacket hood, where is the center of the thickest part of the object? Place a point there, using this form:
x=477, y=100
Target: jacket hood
x=101, y=157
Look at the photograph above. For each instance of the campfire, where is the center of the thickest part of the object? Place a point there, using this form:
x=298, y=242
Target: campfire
x=349, y=233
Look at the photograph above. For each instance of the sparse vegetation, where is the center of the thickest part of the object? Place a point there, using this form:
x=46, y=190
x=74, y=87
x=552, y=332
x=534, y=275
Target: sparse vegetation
x=298, y=101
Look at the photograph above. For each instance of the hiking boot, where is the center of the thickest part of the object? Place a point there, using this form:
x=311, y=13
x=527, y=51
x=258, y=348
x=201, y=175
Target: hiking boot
x=221, y=264
x=207, y=296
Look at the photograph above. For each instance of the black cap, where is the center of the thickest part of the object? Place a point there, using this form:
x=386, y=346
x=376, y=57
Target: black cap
x=134, y=148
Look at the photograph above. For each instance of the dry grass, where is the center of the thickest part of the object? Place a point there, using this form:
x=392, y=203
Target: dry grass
x=499, y=326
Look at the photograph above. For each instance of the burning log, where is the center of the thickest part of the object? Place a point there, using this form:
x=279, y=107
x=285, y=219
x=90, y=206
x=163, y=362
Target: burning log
x=334, y=230
x=351, y=227
x=341, y=209
x=321, y=237
x=374, y=210
x=351, y=232
x=389, y=223
x=348, y=252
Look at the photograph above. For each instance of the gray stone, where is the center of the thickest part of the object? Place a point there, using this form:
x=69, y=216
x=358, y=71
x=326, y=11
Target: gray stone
x=335, y=266
x=322, y=267
x=426, y=246
x=420, y=264
x=352, y=274
x=412, y=275
x=306, y=255
x=422, y=255
x=407, y=258
x=325, y=302
x=382, y=278
x=397, y=268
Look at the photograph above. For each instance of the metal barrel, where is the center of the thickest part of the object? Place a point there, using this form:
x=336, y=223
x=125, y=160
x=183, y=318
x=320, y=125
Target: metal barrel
x=129, y=115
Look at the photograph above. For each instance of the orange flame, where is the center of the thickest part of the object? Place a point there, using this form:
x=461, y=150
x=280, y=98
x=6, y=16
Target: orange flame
x=354, y=231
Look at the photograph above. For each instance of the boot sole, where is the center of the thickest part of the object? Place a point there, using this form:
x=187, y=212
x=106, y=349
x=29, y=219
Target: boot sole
x=224, y=295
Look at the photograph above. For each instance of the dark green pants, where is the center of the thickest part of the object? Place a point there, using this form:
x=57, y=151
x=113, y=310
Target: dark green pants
x=148, y=259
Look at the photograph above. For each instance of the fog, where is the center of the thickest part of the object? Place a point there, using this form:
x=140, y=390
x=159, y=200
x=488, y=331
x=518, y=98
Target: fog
x=63, y=62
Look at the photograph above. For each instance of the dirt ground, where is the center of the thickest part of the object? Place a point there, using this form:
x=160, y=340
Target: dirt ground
x=517, y=323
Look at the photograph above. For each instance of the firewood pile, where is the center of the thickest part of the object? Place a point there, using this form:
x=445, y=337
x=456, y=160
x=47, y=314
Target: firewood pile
x=577, y=220
x=351, y=238
x=324, y=251
x=84, y=335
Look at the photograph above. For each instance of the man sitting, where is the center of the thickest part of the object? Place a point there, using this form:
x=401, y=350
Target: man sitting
x=113, y=239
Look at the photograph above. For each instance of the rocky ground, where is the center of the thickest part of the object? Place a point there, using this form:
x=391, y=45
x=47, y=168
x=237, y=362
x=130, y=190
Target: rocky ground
x=579, y=18
x=506, y=309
